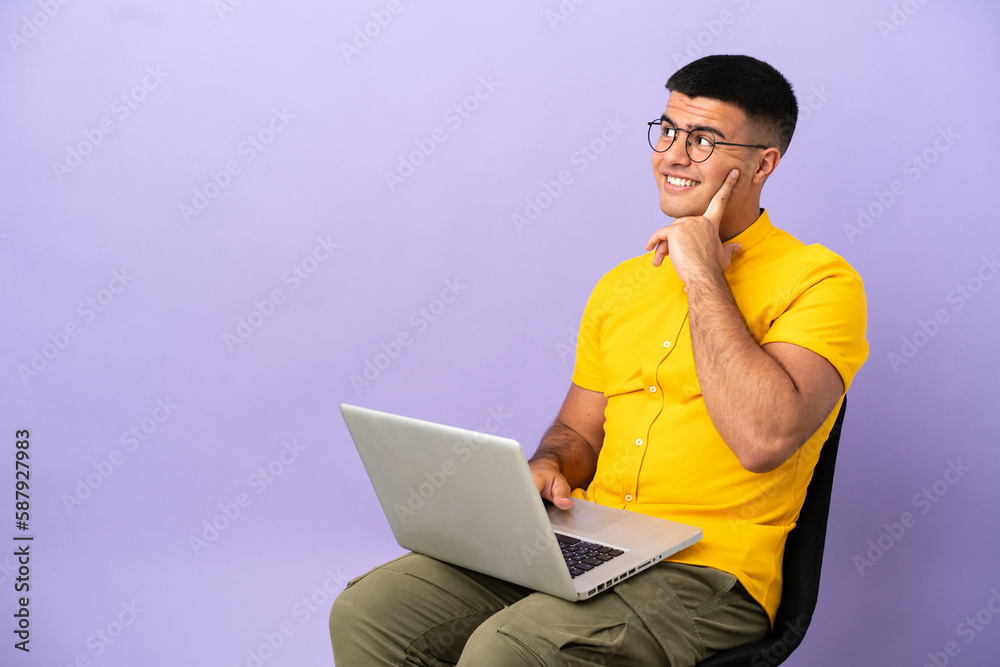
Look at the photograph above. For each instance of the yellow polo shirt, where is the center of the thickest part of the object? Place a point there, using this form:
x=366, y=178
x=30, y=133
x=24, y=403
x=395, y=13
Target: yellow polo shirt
x=662, y=455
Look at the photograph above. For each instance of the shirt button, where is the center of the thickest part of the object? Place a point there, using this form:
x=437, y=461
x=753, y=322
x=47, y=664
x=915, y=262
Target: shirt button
x=666, y=343
x=628, y=497
x=638, y=441
x=652, y=390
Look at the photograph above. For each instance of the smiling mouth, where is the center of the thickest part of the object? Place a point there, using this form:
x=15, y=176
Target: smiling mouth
x=680, y=182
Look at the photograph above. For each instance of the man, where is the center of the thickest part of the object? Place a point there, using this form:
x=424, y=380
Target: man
x=708, y=372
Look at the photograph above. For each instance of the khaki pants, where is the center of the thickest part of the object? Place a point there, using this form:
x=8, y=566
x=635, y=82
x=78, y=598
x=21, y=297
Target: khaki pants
x=418, y=611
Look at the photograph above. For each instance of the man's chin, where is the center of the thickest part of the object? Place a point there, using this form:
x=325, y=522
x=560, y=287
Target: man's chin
x=675, y=209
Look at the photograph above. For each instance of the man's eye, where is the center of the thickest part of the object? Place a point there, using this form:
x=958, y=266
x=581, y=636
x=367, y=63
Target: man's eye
x=703, y=140
x=669, y=132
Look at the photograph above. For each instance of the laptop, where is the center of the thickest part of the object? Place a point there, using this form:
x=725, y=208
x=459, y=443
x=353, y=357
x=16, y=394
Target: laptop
x=468, y=498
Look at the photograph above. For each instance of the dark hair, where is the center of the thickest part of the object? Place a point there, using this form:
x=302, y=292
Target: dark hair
x=764, y=95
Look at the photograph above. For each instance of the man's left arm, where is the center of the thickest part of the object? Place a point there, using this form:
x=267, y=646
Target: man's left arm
x=765, y=401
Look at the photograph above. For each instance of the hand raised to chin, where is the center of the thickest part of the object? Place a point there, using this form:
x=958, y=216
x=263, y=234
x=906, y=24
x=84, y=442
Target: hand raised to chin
x=693, y=242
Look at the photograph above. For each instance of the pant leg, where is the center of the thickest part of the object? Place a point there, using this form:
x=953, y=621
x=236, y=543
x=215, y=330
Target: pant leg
x=673, y=615
x=413, y=611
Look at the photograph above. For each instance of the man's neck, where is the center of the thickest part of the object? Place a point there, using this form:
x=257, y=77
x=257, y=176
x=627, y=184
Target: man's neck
x=735, y=222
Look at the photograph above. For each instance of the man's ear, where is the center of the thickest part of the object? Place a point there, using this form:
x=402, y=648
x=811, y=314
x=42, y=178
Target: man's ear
x=767, y=162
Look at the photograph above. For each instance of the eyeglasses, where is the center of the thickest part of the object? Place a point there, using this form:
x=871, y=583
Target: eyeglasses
x=699, y=145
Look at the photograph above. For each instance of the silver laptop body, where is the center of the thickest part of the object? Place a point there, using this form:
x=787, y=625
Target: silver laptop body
x=468, y=498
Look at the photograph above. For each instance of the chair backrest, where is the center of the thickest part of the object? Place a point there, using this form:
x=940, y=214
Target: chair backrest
x=801, y=566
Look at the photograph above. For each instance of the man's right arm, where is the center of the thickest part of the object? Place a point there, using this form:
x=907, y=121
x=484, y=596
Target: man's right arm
x=566, y=458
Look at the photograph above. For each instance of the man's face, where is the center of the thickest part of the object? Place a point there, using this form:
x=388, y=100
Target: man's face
x=687, y=187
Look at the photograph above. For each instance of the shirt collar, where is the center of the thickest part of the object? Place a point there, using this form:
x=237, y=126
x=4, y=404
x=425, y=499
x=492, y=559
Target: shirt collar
x=755, y=233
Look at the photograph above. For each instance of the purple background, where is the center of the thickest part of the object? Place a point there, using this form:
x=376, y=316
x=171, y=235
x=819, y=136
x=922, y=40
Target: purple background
x=879, y=84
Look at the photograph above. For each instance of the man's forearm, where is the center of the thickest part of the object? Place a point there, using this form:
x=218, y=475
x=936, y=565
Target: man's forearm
x=569, y=452
x=750, y=398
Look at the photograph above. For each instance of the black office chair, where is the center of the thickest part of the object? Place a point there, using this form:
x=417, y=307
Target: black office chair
x=800, y=570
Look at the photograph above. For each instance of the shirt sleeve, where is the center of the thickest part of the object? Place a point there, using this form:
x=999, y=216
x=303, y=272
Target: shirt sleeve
x=588, y=370
x=827, y=313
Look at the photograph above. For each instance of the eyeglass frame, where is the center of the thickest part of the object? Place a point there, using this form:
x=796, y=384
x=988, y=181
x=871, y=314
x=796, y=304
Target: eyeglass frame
x=687, y=150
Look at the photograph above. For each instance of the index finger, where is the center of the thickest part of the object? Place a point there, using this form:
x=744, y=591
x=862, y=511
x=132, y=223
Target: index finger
x=717, y=206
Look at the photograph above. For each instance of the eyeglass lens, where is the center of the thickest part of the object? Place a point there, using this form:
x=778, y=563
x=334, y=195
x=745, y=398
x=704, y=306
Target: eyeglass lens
x=699, y=144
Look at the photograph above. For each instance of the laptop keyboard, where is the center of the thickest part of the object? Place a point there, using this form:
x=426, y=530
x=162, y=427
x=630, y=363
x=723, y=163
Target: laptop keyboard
x=581, y=557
